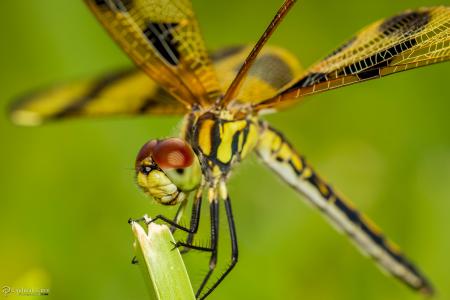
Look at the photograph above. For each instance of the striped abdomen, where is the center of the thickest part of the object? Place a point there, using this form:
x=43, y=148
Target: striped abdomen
x=281, y=157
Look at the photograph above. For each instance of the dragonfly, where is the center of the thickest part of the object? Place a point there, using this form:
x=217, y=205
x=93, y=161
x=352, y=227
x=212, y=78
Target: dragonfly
x=222, y=96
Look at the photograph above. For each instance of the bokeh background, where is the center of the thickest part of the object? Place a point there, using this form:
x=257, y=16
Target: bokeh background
x=67, y=188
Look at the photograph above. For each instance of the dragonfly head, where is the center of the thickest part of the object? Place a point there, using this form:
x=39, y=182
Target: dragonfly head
x=166, y=169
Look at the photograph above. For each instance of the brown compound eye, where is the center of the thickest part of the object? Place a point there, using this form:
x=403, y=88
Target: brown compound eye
x=173, y=153
x=146, y=151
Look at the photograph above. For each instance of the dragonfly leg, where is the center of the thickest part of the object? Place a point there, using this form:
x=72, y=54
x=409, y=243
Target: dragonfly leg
x=195, y=216
x=195, y=219
x=234, y=247
x=192, y=230
x=214, y=215
x=178, y=215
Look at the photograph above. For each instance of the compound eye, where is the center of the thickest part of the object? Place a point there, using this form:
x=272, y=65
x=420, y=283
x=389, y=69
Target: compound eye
x=145, y=170
x=146, y=151
x=173, y=153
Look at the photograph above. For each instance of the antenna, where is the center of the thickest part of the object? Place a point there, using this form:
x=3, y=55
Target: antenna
x=235, y=86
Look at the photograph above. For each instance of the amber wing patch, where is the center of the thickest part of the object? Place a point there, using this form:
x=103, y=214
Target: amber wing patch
x=125, y=92
x=163, y=38
x=272, y=70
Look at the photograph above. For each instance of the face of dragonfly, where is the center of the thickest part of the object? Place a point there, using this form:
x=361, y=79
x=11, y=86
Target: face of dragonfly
x=167, y=170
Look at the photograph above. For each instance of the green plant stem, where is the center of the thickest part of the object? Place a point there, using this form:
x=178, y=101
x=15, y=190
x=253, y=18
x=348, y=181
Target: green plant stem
x=161, y=264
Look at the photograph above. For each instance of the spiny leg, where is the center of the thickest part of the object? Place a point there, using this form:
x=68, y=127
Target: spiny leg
x=214, y=214
x=195, y=220
x=234, y=245
x=195, y=217
x=277, y=153
x=179, y=215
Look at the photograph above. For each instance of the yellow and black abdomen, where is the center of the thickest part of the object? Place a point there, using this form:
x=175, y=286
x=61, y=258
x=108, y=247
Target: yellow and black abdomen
x=220, y=142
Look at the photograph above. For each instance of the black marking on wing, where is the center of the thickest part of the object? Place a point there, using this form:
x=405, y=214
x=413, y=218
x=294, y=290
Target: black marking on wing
x=225, y=53
x=370, y=66
x=149, y=103
x=272, y=70
x=120, y=5
x=309, y=80
x=342, y=47
x=405, y=24
x=372, y=72
x=96, y=90
x=160, y=98
x=160, y=35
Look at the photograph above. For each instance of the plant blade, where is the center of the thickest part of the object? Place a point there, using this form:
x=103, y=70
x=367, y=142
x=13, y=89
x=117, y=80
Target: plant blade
x=161, y=264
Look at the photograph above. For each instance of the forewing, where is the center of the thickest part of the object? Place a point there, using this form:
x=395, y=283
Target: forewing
x=272, y=70
x=124, y=92
x=162, y=38
x=409, y=40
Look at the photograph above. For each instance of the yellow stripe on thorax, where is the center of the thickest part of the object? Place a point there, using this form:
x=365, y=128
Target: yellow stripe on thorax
x=204, y=137
x=251, y=141
x=224, y=140
x=228, y=131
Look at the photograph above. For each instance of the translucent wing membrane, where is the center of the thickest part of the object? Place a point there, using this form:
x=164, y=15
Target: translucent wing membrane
x=409, y=40
x=272, y=69
x=132, y=92
x=124, y=92
x=233, y=90
x=162, y=37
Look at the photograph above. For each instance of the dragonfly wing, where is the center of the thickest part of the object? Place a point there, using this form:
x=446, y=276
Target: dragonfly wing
x=163, y=39
x=273, y=69
x=409, y=40
x=124, y=92
x=281, y=157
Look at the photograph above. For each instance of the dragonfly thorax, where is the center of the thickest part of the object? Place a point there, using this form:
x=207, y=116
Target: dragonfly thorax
x=222, y=140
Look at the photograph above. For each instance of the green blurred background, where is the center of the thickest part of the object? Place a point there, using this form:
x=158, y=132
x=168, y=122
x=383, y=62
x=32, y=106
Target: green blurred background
x=67, y=188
